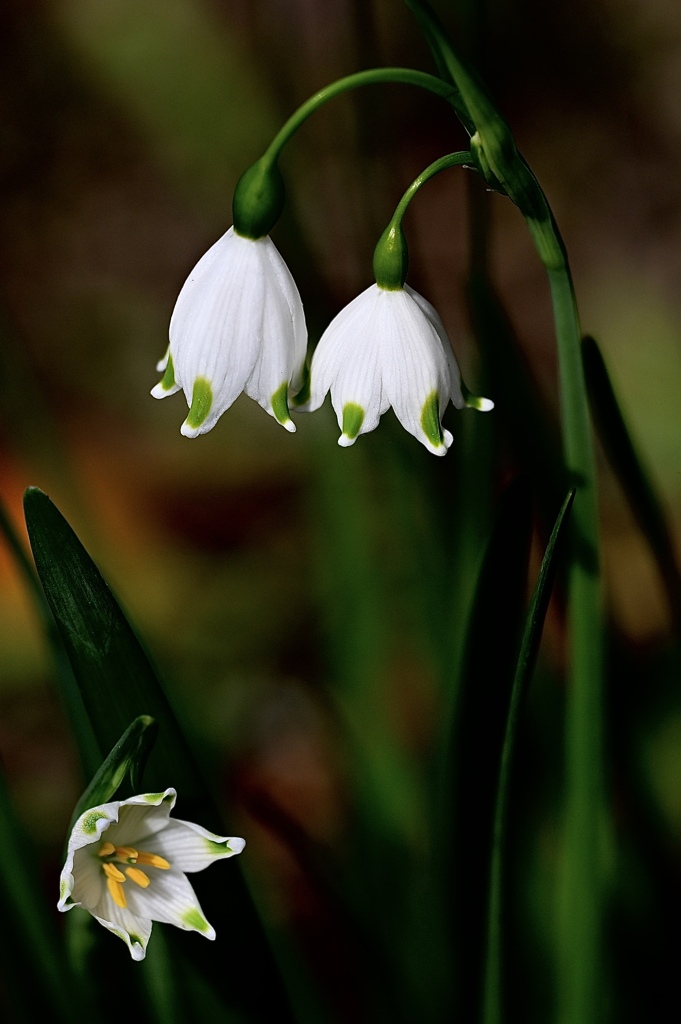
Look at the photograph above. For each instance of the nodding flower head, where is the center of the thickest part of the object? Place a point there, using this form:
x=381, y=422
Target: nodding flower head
x=388, y=347
x=238, y=325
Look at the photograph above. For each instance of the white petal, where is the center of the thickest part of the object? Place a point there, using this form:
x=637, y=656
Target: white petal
x=86, y=832
x=158, y=391
x=190, y=847
x=133, y=928
x=81, y=882
x=346, y=363
x=298, y=328
x=171, y=899
x=283, y=338
x=140, y=817
x=455, y=392
x=238, y=324
x=335, y=347
x=215, y=326
x=415, y=369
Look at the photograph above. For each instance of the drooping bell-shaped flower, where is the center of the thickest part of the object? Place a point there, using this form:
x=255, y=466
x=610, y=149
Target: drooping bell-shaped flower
x=127, y=864
x=388, y=347
x=238, y=323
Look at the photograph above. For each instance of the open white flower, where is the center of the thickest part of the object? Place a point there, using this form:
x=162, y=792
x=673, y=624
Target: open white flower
x=388, y=347
x=127, y=862
x=238, y=325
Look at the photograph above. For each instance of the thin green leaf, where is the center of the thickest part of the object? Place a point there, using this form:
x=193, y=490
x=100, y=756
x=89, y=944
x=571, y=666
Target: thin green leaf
x=625, y=461
x=474, y=737
x=493, y=985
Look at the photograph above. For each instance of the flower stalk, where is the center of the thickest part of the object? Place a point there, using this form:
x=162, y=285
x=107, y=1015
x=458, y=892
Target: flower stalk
x=259, y=194
x=582, y=882
x=391, y=256
x=372, y=76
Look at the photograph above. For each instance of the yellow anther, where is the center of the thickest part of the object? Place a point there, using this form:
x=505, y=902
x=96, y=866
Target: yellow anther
x=126, y=853
x=116, y=892
x=153, y=860
x=135, y=875
x=112, y=872
x=106, y=849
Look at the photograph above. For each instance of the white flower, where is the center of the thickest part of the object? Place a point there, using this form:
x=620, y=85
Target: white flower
x=126, y=864
x=238, y=325
x=388, y=347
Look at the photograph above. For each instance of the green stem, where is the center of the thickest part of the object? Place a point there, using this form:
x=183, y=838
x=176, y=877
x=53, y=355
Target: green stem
x=450, y=160
x=391, y=255
x=403, y=76
x=582, y=882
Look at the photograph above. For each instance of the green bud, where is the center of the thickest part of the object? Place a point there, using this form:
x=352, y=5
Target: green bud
x=391, y=258
x=258, y=200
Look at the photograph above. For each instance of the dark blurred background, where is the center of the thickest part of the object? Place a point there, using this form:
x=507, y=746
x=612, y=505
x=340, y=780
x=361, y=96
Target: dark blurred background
x=123, y=128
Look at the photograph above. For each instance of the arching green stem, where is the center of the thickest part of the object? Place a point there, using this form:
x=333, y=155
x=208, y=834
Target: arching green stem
x=374, y=76
x=391, y=255
x=259, y=193
x=462, y=158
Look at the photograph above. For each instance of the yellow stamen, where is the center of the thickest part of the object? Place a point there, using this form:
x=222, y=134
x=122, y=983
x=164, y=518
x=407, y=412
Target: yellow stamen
x=116, y=892
x=111, y=871
x=126, y=852
x=153, y=860
x=135, y=875
x=106, y=849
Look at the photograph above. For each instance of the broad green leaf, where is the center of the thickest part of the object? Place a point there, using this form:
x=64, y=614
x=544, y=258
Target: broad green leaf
x=112, y=670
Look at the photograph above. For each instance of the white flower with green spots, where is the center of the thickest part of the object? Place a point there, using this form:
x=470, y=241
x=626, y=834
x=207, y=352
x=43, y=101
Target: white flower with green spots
x=238, y=325
x=127, y=862
x=388, y=347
